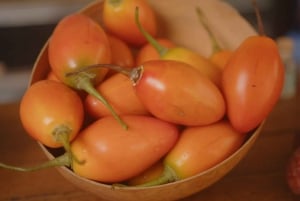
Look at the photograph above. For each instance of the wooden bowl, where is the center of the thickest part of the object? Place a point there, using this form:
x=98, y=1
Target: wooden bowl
x=180, y=24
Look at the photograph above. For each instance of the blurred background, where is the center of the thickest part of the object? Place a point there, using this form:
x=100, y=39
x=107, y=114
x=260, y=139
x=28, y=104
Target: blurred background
x=25, y=25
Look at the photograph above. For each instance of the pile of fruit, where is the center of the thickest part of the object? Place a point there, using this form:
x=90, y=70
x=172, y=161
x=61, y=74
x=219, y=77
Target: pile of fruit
x=128, y=106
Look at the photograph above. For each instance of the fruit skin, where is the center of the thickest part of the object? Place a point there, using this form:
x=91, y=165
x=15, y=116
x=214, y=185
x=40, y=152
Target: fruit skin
x=252, y=81
x=198, y=149
x=197, y=61
x=221, y=58
x=112, y=154
x=201, y=147
x=148, y=175
x=176, y=92
x=119, y=19
x=49, y=106
x=76, y=42
x=182, y=54
x=148, y=52
x=120, y=52
x=118, y=90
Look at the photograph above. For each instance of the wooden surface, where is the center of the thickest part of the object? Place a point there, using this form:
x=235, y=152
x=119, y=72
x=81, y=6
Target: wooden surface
x=260, y=176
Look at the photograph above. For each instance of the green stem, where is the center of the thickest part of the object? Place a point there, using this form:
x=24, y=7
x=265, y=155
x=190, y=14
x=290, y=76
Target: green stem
x=63, y=160
x=134, y=74
x=62, y=135
x=159, y=48
x=83, y=82
x=167, y=176
x=215, y=45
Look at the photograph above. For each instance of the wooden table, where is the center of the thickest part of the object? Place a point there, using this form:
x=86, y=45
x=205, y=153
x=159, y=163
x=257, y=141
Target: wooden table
x=259, y=177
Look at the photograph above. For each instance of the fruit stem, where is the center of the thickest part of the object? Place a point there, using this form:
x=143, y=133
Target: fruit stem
x=167, y=176
x=134, y=74
x=83, y=80
x=159, y=48
x=63, y=160
x=261, y=29
x=61, y=134
x=215, y=45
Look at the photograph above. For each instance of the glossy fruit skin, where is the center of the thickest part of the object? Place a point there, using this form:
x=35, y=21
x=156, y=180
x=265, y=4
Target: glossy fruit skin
x=176, y=92
x=112, y=154
x=48, y=105
x=118, y=90
x=197, y=61
x=202, y=147
x=182, y=54
x=118, y=19
x=252, y=82
x=78, y=41
x=148, y=52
